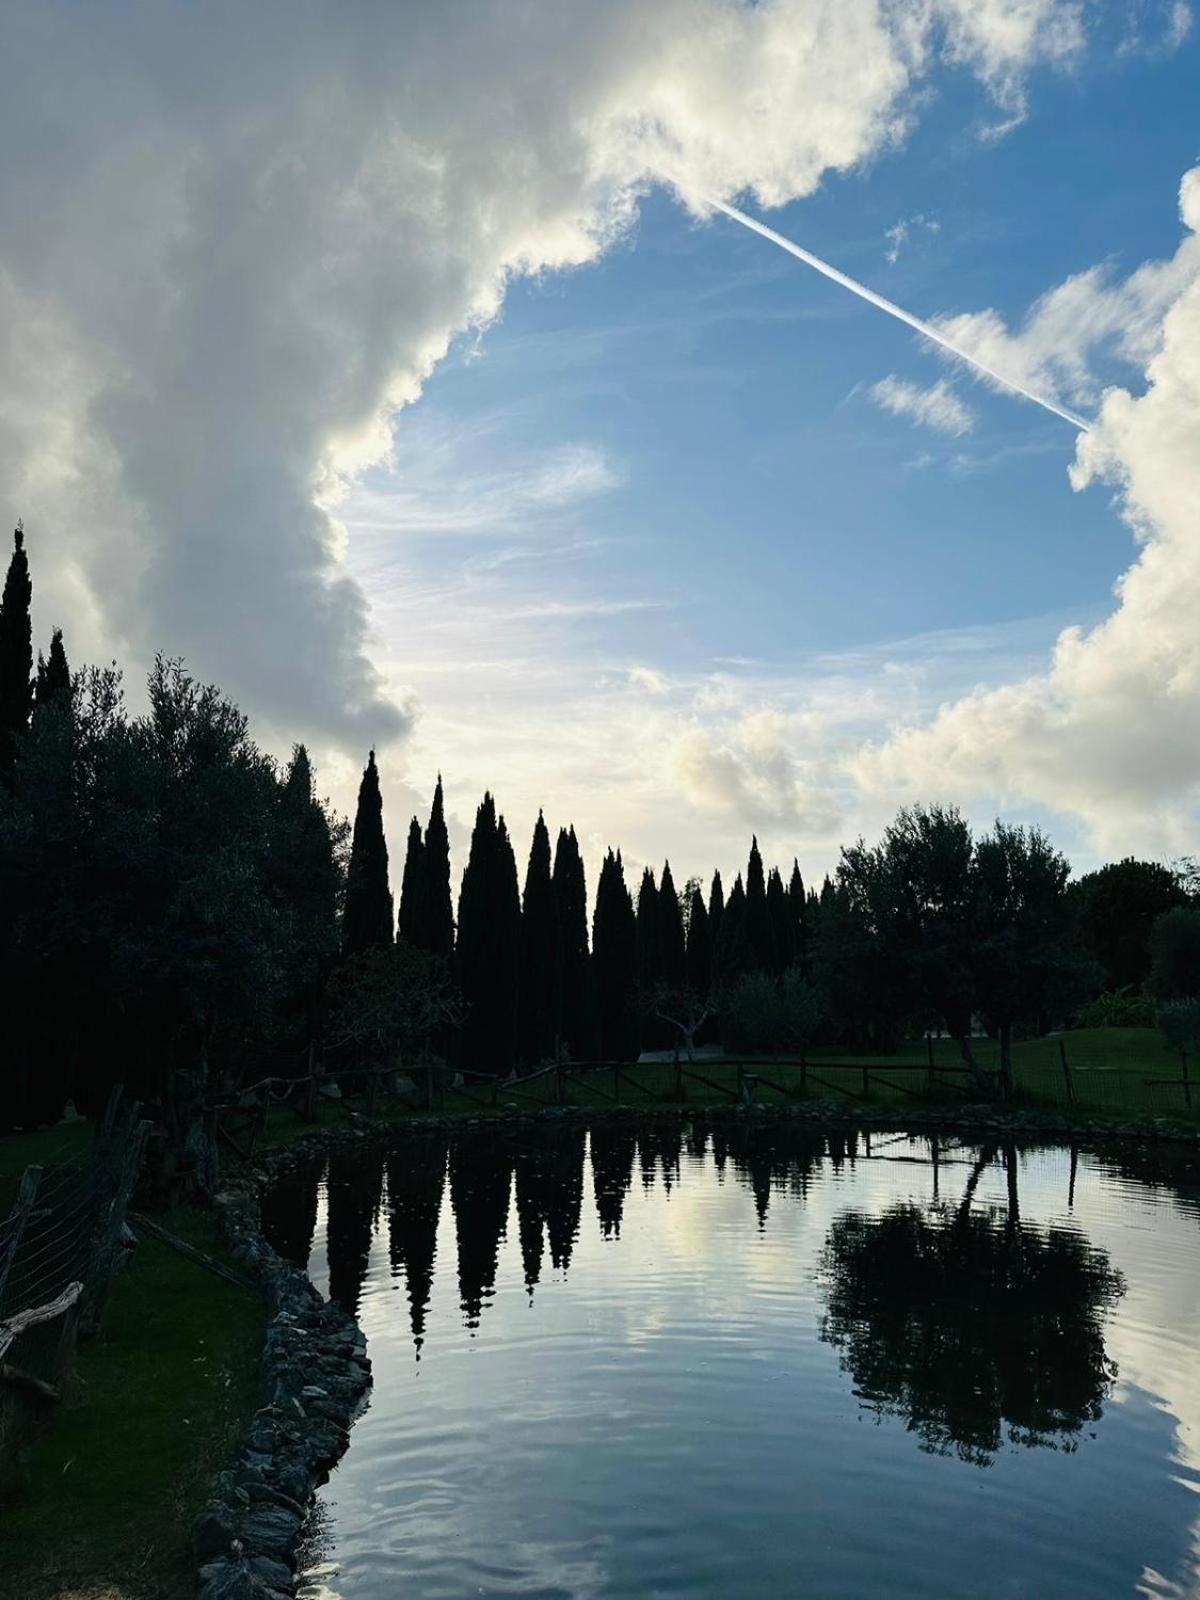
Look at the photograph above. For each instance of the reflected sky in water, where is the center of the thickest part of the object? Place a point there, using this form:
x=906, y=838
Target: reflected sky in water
x=748, y=1360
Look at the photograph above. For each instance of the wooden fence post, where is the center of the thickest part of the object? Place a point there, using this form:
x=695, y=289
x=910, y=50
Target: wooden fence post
x=1187, y=1085
x=1066, y=1070
x=930, y=1083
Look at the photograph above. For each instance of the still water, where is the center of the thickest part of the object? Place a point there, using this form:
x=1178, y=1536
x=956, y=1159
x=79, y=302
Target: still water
x=755, y=1361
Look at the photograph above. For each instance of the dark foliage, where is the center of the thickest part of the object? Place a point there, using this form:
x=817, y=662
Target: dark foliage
x=541, y=956
x=367, y=921
x=570, y=899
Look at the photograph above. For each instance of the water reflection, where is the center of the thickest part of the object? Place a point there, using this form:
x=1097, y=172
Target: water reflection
x=416, y=1177
x=787, y=1284
x=970, y=1325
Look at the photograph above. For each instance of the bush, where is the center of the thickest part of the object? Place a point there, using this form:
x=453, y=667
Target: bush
x=762, y=1017
x=1118, y=1008
x=1175, y=955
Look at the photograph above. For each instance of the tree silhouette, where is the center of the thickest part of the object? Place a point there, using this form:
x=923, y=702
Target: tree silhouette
x=570, y=900
x=614, y=962
x=489, y=932
x=16, y=653
x=367, y=919
x=408, y=919
x=541, y=956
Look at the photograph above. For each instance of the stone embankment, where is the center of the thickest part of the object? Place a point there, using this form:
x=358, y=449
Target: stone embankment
x=316, y=1378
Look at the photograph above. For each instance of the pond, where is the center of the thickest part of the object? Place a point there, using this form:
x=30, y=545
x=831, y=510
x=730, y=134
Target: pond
x=752, y=1360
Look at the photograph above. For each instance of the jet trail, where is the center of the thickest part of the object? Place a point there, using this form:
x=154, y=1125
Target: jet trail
x=893, y=310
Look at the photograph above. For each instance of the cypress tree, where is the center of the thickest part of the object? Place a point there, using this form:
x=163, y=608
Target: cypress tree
x=53, y=675
x=716, y=909
x=614, y=961
x=367, y=918
x=541, y=956
x=731, y=958
x=307, y=884
x=649, y=955
x=758, y=920
x=699, y=947
x=798, y=915
x=570, y=900
x=408, y=921
x=489, y=928
x=435, y=919
x=782, y=948
x=672, y=952
x=507, y=920
x=16, y=652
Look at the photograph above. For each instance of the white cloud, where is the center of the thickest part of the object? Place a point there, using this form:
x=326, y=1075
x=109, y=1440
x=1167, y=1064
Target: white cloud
x=1111, y=730
x=901, y=233
x=235, y=239
x=937, y=407
x=1079, y=324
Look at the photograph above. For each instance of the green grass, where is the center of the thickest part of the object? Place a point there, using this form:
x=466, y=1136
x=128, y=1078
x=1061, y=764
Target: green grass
x=156, y=1406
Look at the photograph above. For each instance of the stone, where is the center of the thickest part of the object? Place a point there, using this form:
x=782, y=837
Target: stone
x=213, y=1531
x=271, y=1530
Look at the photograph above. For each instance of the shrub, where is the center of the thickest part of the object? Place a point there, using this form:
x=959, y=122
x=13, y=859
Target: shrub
x=1118, y=1008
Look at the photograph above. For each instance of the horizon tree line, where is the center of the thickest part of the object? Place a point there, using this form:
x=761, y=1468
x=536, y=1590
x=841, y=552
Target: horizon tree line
x=178, y=912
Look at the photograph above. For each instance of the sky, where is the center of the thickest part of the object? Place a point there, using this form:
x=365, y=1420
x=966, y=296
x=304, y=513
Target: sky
x=388, y=362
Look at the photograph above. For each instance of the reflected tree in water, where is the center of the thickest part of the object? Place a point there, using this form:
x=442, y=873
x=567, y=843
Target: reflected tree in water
x=549, y=1174
x=659, y=1145
x=355, y=1193
x=288, y=1212
x=480, y=1188
x=970, y=1325
x=612, y=1146
x=416, y=1175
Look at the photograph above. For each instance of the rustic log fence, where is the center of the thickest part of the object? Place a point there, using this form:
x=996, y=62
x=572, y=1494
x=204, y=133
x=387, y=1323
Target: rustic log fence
x=59, y=1247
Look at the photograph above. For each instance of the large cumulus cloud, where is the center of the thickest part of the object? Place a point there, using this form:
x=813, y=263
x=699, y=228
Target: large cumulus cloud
x=234, y=239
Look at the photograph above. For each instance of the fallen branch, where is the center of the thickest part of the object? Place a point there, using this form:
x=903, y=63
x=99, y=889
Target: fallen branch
x=190, y=1251
x=20, y=1379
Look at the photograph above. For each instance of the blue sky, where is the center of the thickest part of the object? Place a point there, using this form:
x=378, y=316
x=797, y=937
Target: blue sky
x=740, y=504
x=387, y=380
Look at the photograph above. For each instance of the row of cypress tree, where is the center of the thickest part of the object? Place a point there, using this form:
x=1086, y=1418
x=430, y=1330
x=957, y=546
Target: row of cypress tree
x=535, y=985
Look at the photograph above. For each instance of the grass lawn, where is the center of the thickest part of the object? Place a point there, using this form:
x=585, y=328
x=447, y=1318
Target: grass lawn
x=157, y=1405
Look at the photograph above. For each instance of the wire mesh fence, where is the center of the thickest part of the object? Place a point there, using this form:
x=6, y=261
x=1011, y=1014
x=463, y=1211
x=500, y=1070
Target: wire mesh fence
x=59, y=1247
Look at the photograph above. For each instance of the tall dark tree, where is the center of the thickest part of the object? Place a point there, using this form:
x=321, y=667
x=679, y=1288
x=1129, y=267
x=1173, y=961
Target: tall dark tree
x=408, y=922
x=16, y=652
x=798, y=916
x=779, y=915
x=699, y=947
x=759, y=945
x=731, y=956
x=614, y=962
x=716, y=909
x=541, y=956
x=53, y=685
x=1115, y=908
x=306, y=878
x=489, y=935
x=672, y=949
x=436, y=914
x=570, y=899
x=649, y=938
x=367, y=919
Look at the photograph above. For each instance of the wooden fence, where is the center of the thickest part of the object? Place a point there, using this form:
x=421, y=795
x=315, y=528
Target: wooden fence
x=59, y=1247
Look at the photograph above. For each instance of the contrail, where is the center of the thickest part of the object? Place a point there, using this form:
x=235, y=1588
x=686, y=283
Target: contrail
x=892, y=310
